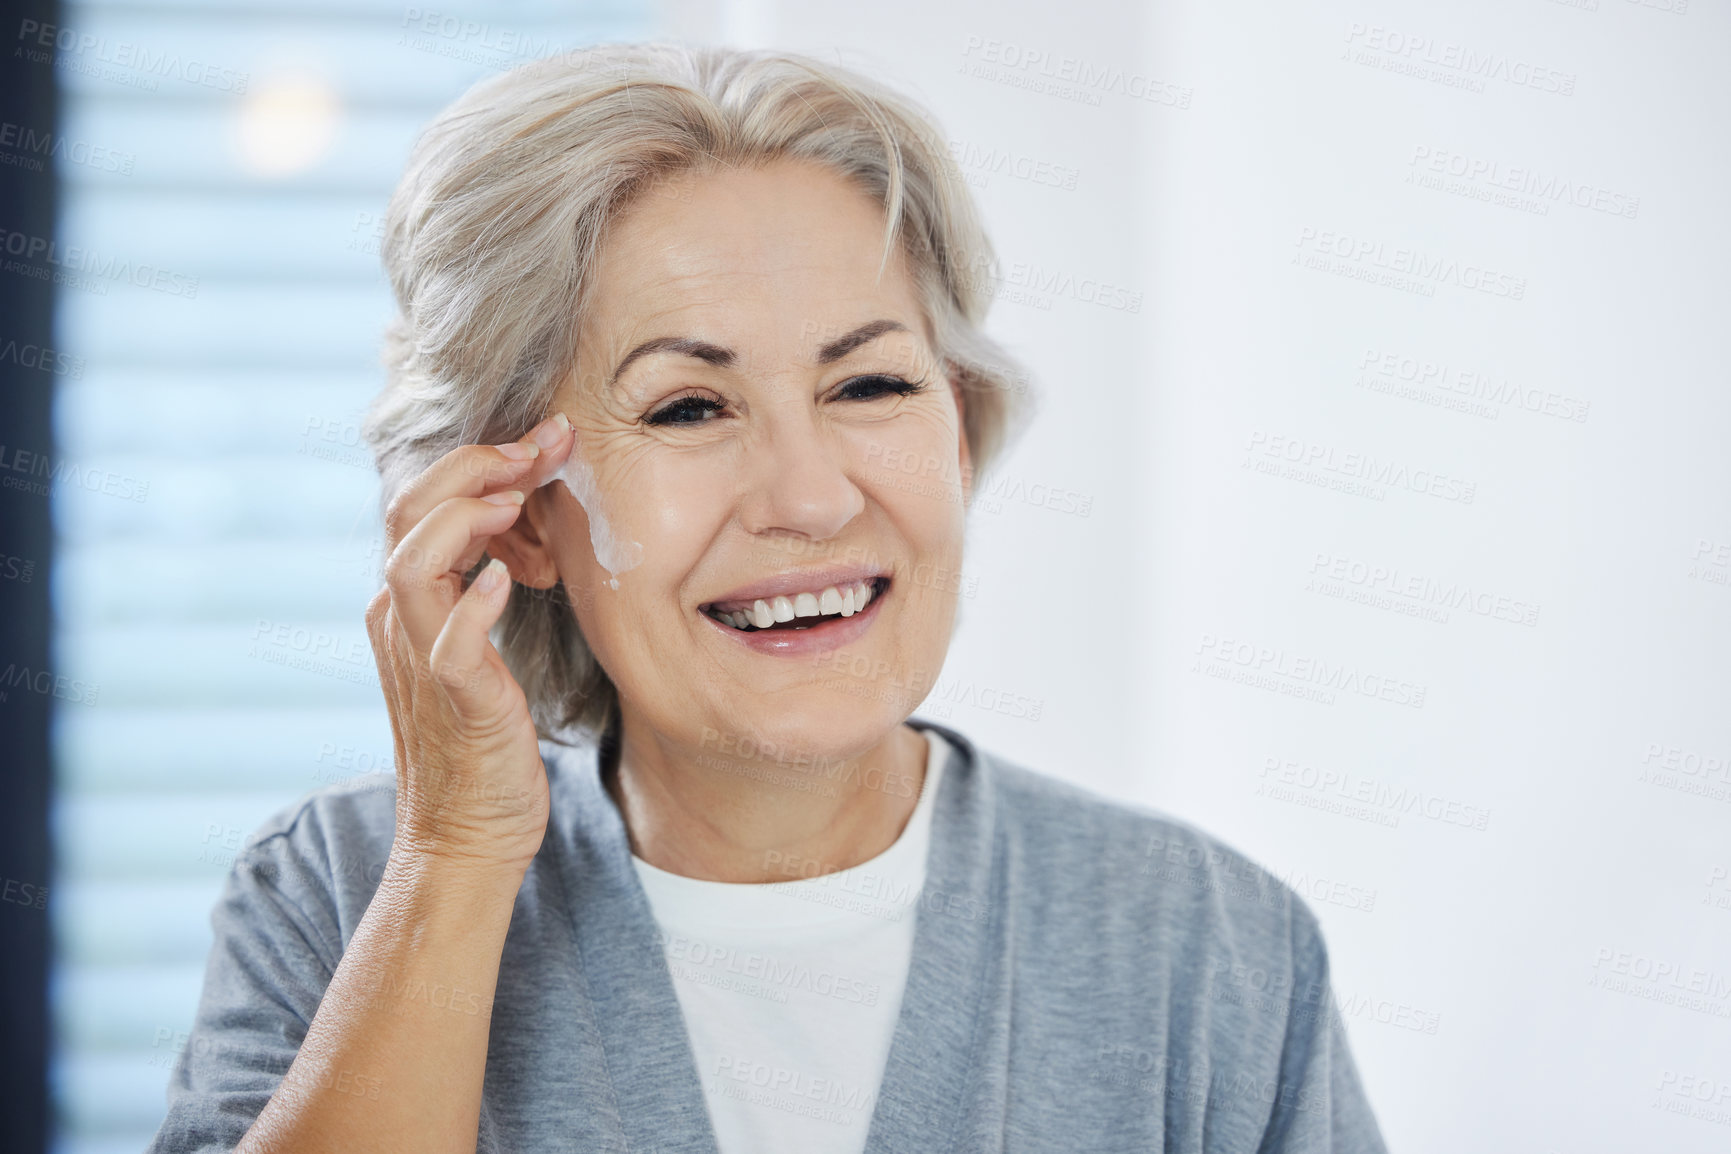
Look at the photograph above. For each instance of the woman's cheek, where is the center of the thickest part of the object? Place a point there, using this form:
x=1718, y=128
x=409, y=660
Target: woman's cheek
x=913, y=457
x=677, y=506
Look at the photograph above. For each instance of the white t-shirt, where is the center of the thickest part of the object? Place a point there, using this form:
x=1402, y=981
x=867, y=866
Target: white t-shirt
x=791, y=990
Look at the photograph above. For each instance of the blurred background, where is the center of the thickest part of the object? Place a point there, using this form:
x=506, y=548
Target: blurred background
x=1376, y=516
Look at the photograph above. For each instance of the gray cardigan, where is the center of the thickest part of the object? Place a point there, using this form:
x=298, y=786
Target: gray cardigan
x=1086, y=976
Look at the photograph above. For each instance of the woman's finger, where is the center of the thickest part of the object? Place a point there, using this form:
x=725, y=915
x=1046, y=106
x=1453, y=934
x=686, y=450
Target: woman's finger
x=425, y=571
x=474, y=470
x=463, y=658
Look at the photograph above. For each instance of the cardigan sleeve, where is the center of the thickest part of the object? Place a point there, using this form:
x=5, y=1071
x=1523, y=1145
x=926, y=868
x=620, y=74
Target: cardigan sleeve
x=288, y=907
x=1321, y=1107
x=266, y=973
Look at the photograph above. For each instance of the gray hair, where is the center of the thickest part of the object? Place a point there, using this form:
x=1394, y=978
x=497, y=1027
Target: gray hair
x=492, y=234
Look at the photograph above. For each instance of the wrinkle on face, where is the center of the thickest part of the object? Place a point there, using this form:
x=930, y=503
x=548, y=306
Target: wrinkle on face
x=770, y=263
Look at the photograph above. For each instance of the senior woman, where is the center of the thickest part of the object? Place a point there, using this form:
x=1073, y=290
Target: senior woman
x=667, y=866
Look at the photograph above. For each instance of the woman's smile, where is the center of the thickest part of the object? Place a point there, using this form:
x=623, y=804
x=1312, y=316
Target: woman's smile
x=797, y=615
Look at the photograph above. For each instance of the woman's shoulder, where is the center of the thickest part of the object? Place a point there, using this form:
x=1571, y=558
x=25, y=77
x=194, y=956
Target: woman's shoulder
x=354, y=820
x=1095, y=857
x=1062, y=813
x=329, y=844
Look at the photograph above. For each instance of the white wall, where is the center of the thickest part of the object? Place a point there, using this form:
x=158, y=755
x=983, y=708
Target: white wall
x=1460, y=670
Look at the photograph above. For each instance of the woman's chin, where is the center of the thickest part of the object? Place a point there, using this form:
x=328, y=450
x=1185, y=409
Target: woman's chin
x=811, y=725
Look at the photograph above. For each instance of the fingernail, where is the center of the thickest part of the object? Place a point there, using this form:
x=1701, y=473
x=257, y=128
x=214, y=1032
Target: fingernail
x=520, y=450
x=549, y=432
x=508, y=497
x=492, y=576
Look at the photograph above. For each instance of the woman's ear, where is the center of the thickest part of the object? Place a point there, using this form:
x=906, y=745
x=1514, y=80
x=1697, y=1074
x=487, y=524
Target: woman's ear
x=524, y=548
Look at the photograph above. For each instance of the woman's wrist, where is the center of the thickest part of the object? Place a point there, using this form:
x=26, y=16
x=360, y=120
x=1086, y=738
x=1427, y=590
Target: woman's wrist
x=451, y=873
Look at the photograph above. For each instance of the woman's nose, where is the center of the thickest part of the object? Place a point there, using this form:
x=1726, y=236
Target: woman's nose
x=797, y=480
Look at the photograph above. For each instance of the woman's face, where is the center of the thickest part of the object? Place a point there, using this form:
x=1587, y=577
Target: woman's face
x=759, y=413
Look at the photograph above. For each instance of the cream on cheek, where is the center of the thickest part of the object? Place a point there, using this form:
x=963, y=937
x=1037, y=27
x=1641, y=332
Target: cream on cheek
x=612, y=552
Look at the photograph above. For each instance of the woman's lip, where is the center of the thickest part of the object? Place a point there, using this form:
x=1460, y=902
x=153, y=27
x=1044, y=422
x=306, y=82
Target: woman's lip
x=798, y=581
x=831, y=635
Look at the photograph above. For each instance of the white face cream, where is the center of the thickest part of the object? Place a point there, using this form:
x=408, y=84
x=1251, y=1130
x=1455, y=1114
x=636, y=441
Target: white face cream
x=611, y=553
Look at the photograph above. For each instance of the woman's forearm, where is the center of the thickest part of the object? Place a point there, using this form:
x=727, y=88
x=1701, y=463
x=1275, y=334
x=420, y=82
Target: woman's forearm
x=396, y=1053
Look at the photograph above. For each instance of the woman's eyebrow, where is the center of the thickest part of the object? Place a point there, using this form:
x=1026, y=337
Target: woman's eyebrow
x=723, y=357
x=684, y=346
x=870, y=331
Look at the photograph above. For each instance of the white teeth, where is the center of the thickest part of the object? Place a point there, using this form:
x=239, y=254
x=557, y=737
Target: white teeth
x=845, y=600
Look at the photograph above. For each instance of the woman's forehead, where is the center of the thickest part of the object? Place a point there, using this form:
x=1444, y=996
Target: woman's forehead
x=783, y=258
x=748, y=235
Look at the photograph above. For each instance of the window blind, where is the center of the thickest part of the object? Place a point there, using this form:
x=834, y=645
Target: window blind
x=224, y=169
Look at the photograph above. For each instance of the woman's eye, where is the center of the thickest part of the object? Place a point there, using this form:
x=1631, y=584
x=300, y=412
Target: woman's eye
x=877, y=385
x=686, y=411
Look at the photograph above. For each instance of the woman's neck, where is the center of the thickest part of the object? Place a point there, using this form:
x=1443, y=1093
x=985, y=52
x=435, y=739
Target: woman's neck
x=721, y=816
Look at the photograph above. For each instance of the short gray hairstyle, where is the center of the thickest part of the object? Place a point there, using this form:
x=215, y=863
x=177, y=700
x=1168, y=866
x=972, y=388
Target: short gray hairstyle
x=492, y=234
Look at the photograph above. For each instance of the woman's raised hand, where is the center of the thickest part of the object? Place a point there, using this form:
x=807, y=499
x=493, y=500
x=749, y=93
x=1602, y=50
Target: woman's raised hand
x=470, y=783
